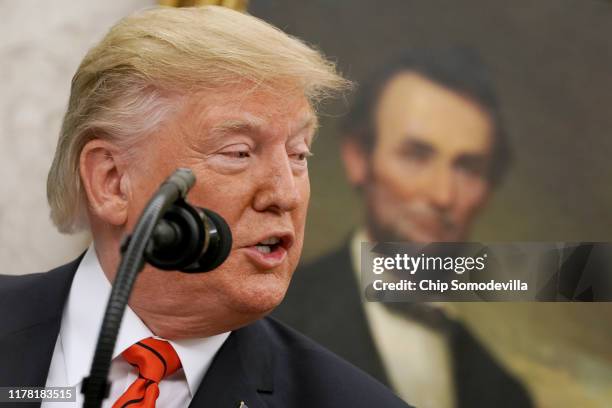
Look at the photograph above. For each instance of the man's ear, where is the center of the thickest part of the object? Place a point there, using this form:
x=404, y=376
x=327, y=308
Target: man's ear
x=355, y=160
x=104, y=181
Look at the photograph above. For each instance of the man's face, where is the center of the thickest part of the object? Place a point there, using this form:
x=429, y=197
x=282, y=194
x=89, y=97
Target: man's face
x=426, y=177
x=248, y=152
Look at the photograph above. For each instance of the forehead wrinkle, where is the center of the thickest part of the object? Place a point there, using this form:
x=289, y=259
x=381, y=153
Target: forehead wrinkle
x=248, y=124
x=254, y=124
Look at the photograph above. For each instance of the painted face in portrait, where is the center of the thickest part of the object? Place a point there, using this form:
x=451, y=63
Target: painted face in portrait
x=426, y=178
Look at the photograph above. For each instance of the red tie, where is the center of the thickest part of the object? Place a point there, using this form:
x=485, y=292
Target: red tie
x=155, y=359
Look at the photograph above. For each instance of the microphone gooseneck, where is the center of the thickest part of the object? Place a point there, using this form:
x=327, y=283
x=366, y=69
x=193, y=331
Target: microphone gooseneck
x=170, y=234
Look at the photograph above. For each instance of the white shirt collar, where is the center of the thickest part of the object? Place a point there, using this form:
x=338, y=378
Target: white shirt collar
x=83, y=316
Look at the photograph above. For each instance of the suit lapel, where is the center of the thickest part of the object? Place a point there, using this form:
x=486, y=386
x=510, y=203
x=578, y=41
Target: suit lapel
x=241, y=372
x=32, y=306
x=346, y=294
x=26, y=355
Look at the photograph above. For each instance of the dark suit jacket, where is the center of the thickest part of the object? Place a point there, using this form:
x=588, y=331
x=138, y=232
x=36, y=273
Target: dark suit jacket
x=324, y=303
x=265, y=364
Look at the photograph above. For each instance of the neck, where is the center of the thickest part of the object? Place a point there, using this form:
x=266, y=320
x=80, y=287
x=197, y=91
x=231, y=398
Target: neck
x=166, y=300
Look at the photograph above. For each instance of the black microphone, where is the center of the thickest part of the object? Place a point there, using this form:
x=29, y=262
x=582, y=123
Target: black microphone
x=170, y=234
x=189, y=239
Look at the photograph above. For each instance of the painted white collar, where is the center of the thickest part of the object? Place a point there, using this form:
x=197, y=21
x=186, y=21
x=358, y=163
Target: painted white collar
x=83, y=316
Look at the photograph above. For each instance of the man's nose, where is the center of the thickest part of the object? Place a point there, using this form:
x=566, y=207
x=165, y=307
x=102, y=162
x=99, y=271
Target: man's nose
x=278, y=190
x=440, y=186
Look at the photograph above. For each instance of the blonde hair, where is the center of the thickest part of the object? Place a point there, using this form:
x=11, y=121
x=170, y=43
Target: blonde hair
x=127, y=84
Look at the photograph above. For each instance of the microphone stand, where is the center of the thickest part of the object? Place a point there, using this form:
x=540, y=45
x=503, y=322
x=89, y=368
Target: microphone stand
x=96, y=387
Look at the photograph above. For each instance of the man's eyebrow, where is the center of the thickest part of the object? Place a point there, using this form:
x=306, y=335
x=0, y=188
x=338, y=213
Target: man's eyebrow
x=256, y=125
x=472, y=156
x=475, y=161
x=247, y=125
x=411, y=142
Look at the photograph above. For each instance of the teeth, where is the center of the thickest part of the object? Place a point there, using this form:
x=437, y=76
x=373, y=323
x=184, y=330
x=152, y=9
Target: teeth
x=270, y=241
x=264, y=249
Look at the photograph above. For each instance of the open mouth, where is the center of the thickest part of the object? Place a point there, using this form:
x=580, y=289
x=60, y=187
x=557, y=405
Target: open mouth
x=271, y=251
x=268, y=245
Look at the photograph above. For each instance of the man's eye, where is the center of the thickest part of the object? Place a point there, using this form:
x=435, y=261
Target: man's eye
x=474, y=168
x=473, y=171
x=301, y=157
x=240, y=154
x=416, y=155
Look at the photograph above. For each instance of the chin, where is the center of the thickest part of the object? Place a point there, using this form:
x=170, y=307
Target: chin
x=258, y=294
